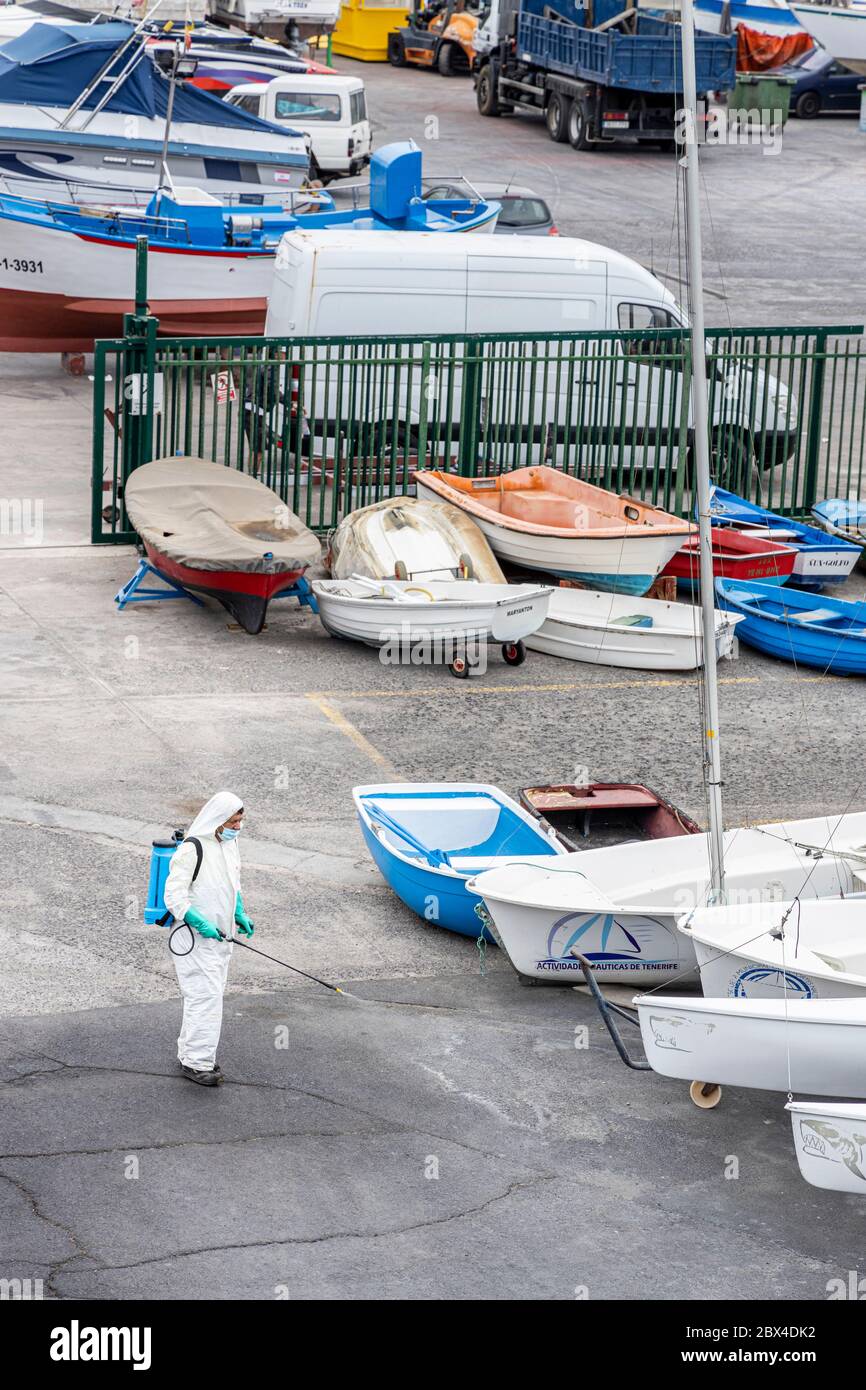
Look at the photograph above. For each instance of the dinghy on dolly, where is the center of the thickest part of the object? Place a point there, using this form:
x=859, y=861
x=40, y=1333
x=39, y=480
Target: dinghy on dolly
x=428, y=838
x=442, y=620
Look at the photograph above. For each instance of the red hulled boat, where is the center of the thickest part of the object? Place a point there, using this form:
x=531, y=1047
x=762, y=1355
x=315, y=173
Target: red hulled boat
x=736, y=555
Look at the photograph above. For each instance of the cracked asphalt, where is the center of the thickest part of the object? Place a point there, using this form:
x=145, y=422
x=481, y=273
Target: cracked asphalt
x=444, y=1133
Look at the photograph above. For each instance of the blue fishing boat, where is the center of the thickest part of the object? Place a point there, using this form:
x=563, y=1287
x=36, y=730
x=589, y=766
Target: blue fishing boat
x=821, y=559
x=845, y=518
x=428, y=838
x=72, y=268
x=828, y=633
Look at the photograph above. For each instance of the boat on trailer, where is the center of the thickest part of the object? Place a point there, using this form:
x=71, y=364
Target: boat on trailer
x=830, y=1143
x=814, y=1046
x=792, y=624
x=428, y=838
x=545, y=520
x=418, y=621
x=217, y=531
x=821, y=559
x=643, y=634
x=605, y=813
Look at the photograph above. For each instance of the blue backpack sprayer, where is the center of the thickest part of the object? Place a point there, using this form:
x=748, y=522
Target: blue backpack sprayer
x=156, y=912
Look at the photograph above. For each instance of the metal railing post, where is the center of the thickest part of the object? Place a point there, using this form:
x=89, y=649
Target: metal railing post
x=467, y=446
x=813, y=433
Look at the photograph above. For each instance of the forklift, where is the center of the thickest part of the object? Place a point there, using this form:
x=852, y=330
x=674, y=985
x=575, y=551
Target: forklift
x=438, y=35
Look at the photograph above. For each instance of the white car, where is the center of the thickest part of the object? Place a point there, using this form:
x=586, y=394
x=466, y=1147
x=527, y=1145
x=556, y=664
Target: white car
x=332, y=110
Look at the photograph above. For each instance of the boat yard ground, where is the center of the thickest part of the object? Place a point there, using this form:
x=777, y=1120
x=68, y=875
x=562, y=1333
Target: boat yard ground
x=446, y=1134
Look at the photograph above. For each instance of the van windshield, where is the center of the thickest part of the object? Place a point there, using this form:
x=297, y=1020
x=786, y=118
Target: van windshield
x=307, y=106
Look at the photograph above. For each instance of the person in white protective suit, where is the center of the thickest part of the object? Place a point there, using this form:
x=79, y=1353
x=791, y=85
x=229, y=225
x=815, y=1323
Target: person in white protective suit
x=209, y=901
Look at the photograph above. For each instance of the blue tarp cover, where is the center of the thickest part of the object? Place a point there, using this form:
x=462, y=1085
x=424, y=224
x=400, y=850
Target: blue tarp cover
x=51, y=64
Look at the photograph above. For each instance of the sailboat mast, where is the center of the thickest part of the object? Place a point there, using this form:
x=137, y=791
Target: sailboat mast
x=712, y=755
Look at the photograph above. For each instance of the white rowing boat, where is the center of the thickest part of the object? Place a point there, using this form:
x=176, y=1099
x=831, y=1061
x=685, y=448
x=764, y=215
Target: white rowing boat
x=644, y=634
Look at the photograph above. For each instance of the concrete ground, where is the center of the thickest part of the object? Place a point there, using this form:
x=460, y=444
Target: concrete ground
x=442, y=1134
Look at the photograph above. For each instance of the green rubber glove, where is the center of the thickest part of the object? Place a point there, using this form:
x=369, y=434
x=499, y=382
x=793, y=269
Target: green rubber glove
x=202, y=925
x=241, y=918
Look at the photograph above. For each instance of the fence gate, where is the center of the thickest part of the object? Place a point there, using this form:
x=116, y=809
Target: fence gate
x=332, y=424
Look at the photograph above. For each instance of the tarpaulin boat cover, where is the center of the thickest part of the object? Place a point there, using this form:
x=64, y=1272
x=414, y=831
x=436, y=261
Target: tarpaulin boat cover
x=756, y=51
x=51, y=64
x=209, y=517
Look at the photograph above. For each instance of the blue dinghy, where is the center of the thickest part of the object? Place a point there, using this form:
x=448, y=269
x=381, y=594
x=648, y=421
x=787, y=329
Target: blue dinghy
x=821, y=559
x=844, y=517
x=428, y=838
x=829, y=633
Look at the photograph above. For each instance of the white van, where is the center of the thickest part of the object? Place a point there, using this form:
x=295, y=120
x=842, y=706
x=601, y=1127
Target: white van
x=623, y=395
x=331, y=109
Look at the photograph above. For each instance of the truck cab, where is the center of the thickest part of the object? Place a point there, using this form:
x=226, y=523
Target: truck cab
x=332, y=110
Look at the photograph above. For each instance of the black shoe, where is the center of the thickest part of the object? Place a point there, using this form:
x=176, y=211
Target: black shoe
x=203, y=1078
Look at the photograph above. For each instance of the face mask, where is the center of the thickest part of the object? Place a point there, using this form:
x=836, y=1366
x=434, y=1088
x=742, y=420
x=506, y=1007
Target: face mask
x=230, y=834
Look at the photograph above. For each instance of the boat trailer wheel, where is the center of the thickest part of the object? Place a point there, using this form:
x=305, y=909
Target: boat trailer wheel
x=514, y=653
x=460, y=667
x=705, y=1094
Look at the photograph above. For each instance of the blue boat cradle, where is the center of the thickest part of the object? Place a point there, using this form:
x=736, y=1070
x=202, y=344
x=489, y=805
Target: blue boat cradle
x=428, y=838
x=827, y=633
x=822, y=559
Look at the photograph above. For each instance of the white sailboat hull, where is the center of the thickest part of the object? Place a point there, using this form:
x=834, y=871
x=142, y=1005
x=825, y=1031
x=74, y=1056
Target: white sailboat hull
x=587, y=625
x=620, y=906
x=839, y=29
x=830, y=1143
x=807, y=1045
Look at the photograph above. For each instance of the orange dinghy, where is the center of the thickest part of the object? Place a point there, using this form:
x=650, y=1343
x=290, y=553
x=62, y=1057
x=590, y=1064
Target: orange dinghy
x=545, y=520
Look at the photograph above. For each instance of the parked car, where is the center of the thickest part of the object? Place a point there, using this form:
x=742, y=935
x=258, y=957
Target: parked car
x=523, y=212
x=821, y=85
x=330, y=109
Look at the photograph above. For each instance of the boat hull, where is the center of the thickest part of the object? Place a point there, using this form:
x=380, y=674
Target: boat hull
x=735, y=556
x=805, y=1046
x=830, y=1143
x=461, y=618
x=582, y=626
x=819, y=561
x=244, y=595
x=844, y=520
x=839, y=29
x=438, y=895
x=792, y=634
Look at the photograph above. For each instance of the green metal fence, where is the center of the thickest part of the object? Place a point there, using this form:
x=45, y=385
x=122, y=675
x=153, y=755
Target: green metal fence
x=335, y=423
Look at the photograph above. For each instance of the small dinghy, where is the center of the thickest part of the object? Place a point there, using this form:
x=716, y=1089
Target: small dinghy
x=428, y=838
x=451, y=616
x=810, y=1045
x=643, y=634
x=793, y=625
x=405, y=538
x=605, y=813
x=218, y=531
x=620, y=906
x=830, y=1141
x=820, y=560
x=785, y=950
x=736, y=555
x=545, y=520
x=845, y=519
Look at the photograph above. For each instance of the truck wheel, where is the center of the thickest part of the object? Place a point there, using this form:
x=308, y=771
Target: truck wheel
x=445, y=60
x=486, y=95
x=808, y=106
x=396, y=52
x=556, y=118
x=578, y=127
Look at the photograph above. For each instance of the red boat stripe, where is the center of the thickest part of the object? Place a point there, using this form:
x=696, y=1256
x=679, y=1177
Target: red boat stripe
x=175, y=250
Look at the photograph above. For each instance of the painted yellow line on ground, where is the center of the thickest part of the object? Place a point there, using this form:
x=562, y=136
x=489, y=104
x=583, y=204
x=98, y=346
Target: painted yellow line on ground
x=471, y=689
x=348, y=728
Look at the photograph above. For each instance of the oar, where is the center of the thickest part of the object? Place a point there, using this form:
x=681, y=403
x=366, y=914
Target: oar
x=433, y=856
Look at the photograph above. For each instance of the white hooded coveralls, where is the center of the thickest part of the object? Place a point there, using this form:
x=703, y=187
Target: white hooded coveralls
x=202, y=974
